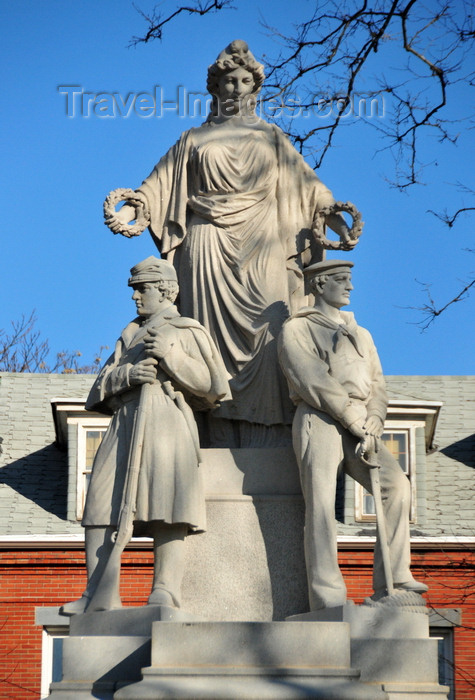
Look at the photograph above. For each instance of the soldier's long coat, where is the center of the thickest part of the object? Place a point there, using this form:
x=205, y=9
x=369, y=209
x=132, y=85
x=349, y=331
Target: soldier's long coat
x=169, y=487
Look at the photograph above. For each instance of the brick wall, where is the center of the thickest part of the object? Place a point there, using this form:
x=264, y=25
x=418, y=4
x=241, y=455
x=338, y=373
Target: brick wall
x=49, y=578
x=450, y=576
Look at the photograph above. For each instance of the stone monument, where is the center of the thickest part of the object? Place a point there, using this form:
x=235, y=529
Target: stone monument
x=233, y=206
x=237, y=216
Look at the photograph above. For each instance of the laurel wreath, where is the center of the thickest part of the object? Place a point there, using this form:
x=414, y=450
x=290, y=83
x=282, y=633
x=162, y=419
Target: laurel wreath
x=354, y=233
x=137, y=200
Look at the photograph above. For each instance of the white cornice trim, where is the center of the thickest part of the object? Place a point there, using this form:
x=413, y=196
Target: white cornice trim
x=345, y=542
x=59, y=542
x=421, y=543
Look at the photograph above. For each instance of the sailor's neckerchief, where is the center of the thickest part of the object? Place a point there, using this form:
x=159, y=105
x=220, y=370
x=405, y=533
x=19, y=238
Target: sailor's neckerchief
x=348, y=328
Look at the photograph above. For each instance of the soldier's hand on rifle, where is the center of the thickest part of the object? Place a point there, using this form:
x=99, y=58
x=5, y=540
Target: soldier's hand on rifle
x=144, y=372
x=158, y=342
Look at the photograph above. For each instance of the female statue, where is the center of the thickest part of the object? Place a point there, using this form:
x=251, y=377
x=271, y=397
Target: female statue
x=232, y=205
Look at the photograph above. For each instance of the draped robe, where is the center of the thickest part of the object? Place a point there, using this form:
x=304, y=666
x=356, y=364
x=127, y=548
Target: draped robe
x=232, y=207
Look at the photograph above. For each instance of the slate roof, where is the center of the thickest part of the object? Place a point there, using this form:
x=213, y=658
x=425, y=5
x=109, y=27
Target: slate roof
x=33, y=470
x=450, y=470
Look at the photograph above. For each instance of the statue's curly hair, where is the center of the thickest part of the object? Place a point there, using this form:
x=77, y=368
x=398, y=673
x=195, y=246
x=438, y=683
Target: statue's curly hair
x=317, y=281
x=169, y=287
x=236, y=55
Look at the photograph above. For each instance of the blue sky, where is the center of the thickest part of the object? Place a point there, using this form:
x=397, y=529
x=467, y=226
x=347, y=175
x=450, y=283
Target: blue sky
x=60, y=259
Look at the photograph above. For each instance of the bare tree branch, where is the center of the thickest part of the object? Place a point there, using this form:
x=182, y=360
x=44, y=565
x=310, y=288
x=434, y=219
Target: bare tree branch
x=156, y=20
x=430, y=310
x=405, y=55
x=450, y=219
x=23, y=350
x=330, y=59
x=337, y=48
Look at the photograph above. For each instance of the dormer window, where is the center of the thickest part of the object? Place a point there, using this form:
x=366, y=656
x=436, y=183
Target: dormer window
x=89, y=436
x=408, y=435
x=80, y=432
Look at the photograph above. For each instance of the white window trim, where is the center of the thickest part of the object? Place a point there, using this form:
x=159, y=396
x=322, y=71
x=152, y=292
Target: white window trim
x=49, y=633
x=446, y=636
x=83, y=424
x=394, y=425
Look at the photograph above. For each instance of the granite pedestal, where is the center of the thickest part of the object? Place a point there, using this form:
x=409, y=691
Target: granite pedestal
x=390, y=645
x=244, y=576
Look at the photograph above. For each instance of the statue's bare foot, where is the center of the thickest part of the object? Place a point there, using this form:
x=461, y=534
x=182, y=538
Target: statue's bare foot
x=160, y=596
x=75, y=607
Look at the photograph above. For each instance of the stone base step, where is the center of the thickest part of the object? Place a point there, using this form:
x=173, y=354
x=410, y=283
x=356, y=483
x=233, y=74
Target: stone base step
x=421, y=691
x=82, y=690
x=252, y=661
x=250, y=684
x=242, y=661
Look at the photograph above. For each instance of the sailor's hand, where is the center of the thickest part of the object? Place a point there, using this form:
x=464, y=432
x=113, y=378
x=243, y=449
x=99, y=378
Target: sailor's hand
x=368, y=433
x=371, y=444
x=358, y=429
x=367, y=450
x=374, y=426
x=144, y=372
x=158, y=342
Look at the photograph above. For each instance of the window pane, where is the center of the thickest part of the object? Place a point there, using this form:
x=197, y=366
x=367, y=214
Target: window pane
x=52, y=657
x=93, y=440
x=57, y=670
x=368, y=504
x=445, y=645
x=397, y=444
x=89, y=439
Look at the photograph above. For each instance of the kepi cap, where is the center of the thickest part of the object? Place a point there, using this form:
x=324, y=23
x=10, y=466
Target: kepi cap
x=152, y=269
x=328, y=267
